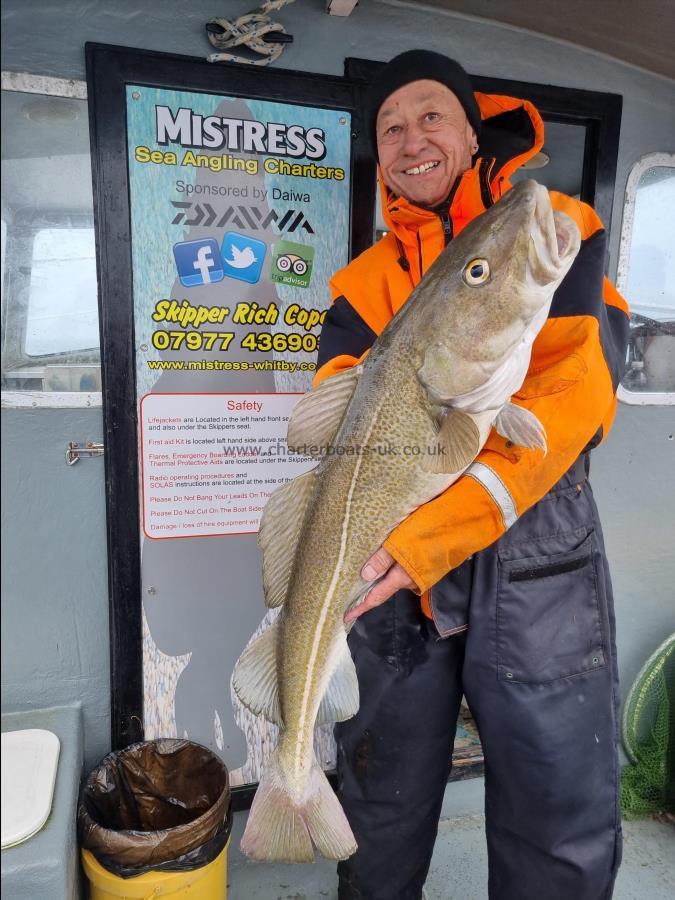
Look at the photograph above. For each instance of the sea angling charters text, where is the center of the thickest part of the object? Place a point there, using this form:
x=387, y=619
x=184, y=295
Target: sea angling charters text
x=227, y=162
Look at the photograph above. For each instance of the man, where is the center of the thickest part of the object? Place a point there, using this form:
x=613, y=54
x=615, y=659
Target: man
x=509, y=561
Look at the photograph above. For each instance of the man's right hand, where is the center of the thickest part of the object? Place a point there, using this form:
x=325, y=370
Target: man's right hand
x=393, y=578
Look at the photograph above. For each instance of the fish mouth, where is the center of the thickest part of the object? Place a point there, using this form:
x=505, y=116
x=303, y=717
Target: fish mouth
x=554, y=241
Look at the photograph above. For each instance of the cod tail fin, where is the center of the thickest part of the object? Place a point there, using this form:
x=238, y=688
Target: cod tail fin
x=282, y=829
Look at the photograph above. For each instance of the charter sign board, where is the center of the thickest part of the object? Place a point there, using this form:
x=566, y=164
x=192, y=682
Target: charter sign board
x=239, y=217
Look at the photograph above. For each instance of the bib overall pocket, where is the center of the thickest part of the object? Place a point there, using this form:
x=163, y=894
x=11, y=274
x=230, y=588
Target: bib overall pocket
x=548, y=616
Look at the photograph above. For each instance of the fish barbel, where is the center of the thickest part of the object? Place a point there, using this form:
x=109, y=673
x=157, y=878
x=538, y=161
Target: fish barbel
x=391, y=433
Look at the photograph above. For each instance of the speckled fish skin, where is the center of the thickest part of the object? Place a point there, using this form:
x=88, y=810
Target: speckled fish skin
x=448, y=348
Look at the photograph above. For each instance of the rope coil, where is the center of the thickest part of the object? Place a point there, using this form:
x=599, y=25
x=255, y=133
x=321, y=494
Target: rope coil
x=255, y=31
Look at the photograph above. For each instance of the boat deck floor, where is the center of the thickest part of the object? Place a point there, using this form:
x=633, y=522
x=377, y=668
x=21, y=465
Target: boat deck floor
x=459, y=865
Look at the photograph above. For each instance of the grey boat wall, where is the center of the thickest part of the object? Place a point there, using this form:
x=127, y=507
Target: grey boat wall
x=55, y=641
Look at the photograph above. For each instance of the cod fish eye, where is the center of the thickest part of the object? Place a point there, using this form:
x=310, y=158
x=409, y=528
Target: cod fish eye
x=476, y=272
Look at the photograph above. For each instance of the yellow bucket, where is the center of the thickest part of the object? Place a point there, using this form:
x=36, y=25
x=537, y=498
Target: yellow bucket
x=206, y=883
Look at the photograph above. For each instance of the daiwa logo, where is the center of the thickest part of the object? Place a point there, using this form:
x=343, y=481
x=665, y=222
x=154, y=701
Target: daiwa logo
x=246, y=217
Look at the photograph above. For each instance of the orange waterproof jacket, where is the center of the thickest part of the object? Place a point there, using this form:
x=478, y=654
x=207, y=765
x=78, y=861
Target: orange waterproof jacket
x=577, y=358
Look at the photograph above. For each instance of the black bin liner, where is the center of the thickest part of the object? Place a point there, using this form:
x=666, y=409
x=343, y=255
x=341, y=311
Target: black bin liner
x=157, y=805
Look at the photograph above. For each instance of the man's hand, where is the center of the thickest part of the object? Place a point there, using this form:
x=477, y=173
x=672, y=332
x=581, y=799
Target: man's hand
x=395, y=578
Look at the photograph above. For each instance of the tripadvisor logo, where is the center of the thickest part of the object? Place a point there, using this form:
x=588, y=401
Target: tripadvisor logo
x=291, y=264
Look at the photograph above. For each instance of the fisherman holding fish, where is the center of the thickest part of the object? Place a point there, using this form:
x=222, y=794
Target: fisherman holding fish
x=481, y=332
x=503, y=559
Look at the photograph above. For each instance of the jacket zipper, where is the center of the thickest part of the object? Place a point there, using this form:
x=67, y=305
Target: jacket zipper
x=486, y=165
x=446, y=222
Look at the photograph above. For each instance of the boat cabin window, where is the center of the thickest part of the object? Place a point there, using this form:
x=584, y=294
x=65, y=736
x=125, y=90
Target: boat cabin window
x=647, y=279
x=49, y=294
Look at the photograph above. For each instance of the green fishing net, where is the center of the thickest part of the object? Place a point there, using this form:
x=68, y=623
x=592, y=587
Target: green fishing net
x=648, y=782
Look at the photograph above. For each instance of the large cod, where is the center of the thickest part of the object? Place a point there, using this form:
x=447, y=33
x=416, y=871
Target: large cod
x=392, y=433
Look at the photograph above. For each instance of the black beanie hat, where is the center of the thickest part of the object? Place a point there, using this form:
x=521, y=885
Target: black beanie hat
x=415, y=65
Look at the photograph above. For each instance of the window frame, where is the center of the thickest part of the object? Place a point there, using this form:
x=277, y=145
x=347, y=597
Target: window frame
x=642, y=165
x=69, y=88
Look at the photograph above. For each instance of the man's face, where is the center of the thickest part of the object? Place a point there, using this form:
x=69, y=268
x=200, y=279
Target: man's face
x=424, y=141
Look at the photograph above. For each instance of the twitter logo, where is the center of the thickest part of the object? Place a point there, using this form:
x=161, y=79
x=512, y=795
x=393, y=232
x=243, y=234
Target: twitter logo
x=242, y=257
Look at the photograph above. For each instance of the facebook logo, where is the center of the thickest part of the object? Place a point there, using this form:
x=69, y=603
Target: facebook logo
x=198, y=262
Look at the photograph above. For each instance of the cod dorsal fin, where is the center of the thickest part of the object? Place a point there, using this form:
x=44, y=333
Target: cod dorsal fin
x=279, y=532
x=341, y=700
x=316, y=418
x=521, y=426
x=255, y=679
x=458, y=444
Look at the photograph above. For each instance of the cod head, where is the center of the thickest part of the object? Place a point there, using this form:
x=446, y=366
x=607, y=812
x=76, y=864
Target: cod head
x=489, y=293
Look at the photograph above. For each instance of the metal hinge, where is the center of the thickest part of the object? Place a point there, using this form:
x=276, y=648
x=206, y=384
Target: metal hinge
x=75, y=451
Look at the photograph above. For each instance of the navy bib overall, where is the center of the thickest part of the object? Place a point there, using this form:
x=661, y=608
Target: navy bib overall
x=537, y=665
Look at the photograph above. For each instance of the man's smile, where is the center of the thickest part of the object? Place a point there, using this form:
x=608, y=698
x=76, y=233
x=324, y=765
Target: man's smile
x=421, y=168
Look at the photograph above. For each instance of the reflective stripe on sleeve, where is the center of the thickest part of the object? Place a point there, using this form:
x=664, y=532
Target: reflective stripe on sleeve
x=496, y=489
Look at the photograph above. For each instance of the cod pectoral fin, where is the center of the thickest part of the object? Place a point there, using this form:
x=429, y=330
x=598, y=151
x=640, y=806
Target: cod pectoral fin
x=341, y=700
x=279, y=532
x=521, y=426
x=458, y=444
x=316, y=418
x=255, y=679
